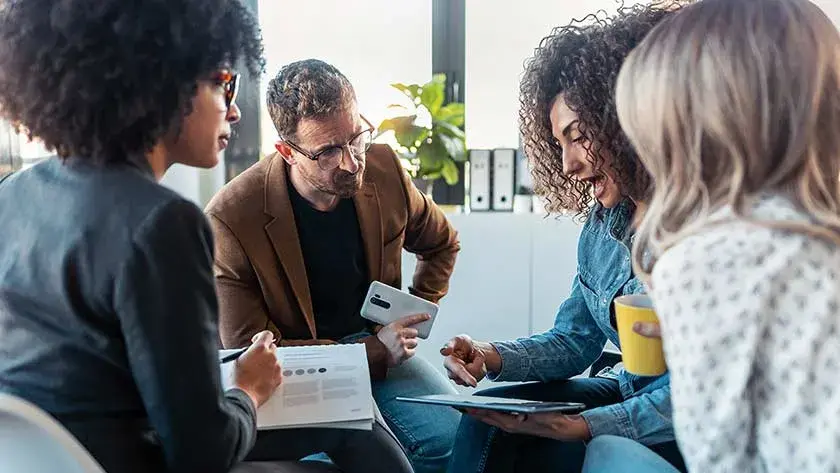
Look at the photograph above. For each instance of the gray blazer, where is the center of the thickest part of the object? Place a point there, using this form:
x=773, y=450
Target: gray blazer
x=108, y=318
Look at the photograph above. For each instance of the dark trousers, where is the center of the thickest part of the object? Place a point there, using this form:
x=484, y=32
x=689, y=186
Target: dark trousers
x=353, y=451
x=481, y=448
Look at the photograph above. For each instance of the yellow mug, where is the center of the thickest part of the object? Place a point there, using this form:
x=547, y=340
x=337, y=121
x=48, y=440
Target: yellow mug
x=641, y=355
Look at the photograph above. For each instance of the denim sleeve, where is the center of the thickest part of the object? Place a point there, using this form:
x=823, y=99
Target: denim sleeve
x=645, y=418
x=166, y=304
x=566, y=350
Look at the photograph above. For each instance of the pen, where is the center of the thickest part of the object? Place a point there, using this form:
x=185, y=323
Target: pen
x=232, y=356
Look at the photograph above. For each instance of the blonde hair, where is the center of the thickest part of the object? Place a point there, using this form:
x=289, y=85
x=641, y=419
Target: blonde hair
x=729, y=99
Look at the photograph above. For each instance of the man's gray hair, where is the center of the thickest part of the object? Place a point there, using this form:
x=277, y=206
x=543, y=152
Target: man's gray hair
x=306, y=89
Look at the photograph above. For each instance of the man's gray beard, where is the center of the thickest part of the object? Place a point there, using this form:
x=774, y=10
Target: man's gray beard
x=340, y=191
x=346, y=192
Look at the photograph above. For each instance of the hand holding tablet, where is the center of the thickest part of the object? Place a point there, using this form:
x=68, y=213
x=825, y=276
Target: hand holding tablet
x=507, y=405
x=556, y=420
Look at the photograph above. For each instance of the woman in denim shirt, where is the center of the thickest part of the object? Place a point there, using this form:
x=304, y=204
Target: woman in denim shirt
x=582, y=163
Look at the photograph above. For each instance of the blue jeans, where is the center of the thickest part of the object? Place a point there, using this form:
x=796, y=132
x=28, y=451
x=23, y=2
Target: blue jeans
x=610, y=454
x=426, y=432
x=481, y=448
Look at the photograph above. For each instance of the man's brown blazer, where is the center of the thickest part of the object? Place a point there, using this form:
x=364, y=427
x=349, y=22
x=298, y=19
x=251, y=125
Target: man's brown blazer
x=259, y=269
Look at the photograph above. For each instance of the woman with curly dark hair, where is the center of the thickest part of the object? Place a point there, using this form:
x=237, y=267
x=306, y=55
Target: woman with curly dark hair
x=582, y=164
x=108, y=312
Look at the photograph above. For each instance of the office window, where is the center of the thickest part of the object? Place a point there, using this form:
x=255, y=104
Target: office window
x=500, y=36
x=9, y=150
x=373, y=42
x=32, y=151
x=17, y=151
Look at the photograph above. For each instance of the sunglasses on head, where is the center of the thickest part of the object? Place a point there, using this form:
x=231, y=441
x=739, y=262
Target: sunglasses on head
x=230, y=82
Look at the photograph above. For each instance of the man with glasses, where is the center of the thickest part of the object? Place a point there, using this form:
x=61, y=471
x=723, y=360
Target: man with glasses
x=301, y=235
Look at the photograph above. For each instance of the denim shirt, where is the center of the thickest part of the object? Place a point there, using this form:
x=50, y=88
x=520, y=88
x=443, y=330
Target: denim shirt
x=581, y=328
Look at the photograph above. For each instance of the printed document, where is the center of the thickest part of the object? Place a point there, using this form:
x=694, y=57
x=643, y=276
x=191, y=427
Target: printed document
x=323, y=386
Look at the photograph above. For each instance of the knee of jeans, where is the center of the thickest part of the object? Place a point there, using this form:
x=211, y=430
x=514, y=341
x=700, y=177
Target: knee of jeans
x=424, y=442
x=604, y=443
x=603, y=450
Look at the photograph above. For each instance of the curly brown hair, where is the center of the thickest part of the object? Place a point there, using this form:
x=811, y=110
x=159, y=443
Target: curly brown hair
x=581, y=61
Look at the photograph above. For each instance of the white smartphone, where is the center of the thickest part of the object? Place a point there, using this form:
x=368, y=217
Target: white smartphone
x=385, y=304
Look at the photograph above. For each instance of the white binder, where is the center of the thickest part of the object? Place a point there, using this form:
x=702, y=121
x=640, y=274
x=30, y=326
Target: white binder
x=504, y=178
x=480, y=168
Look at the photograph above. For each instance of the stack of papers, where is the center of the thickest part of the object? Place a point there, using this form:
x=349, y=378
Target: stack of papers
x=323, y=386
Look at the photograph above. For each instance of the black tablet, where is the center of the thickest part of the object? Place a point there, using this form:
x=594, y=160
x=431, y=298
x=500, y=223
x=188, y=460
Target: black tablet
x=512, y=406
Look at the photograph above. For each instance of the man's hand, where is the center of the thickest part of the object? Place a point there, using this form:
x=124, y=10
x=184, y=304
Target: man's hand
x=467, y=361
x=648, y=329
x=553, y=425
x=257, y=371
x=400, y=338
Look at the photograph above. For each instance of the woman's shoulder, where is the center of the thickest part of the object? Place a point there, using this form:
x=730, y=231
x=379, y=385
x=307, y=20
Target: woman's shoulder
x=120, y=199
x=755, y=246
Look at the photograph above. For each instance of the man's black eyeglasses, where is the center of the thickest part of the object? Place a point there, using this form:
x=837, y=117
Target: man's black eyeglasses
x=330, y=158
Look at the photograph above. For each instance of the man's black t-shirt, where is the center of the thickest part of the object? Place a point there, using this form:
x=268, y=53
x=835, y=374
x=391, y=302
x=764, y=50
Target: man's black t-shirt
x=334, y=256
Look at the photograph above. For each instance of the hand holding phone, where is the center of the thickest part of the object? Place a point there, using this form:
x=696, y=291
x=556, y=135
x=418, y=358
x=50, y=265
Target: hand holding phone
x=400, y=338
x=385, y=305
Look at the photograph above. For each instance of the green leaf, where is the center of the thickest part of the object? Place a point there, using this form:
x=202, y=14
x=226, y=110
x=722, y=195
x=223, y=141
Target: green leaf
x=431, y=155
x=448, y=129
x=432, y=96
x=452, y=113
x=412, y=91
x=450, y=172
x=405, y=131
x=397, y=123
x=456, y=148
x=412, y=135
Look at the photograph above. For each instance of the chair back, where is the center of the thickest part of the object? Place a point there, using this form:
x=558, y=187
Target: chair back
x=31, y=441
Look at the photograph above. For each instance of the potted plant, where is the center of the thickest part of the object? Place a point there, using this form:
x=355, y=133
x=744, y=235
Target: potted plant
x=429, y=137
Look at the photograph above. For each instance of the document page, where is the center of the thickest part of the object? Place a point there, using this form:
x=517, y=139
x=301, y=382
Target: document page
x=323, y=386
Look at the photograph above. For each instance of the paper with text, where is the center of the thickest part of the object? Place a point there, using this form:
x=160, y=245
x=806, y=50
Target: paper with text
x=323, y=386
